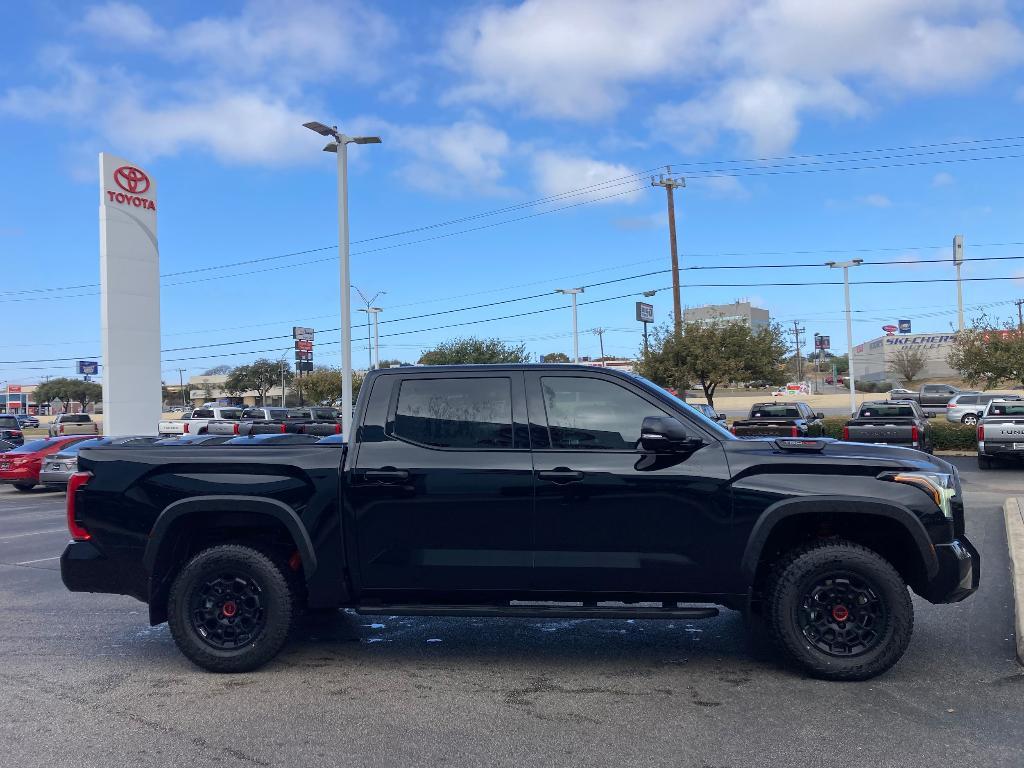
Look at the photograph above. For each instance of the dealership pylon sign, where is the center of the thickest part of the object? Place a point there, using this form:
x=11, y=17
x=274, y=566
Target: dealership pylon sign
x=130, y=298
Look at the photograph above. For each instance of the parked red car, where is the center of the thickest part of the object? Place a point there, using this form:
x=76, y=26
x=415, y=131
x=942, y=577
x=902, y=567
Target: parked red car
x=20, y=467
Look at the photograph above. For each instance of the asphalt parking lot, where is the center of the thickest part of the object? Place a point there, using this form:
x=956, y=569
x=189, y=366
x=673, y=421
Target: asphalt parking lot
x=84, y=681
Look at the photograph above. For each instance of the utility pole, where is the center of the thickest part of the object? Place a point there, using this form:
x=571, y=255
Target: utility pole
x=282, y=382
x=370, y=309
x=671, y=184
x=797, y=330
x=181, y=386
x=1020, y=317
x=958, y=260
x=575, y=331
x=599, y=332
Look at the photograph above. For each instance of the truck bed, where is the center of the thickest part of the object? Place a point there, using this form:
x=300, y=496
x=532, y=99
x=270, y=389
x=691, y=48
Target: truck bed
x=886, y=431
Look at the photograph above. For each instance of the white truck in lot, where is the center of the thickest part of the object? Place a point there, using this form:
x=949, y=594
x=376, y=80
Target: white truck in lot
x=196, y=422
x=1001, y=432
x=73, y=424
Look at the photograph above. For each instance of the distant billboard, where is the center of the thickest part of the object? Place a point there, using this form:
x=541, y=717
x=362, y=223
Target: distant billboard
x=904, y=326
x=644, y=312
x=88, y=367
x=823, y=342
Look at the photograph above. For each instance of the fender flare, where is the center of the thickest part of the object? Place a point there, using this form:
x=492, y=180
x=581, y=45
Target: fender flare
x=254, y=504
x=786, y=508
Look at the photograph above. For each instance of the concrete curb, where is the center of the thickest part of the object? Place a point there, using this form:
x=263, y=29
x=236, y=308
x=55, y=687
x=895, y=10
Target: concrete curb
x=1013, y=514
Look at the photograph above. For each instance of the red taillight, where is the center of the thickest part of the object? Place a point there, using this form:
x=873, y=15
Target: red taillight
x=951, y=405
x=337, y=429
x=184, y=429
x=981, y=433
x=16, y=433
x=62, y=429
x=234, y=429
x=794, y=432
x=914, y=434
x=76, y=481
x=733, y=429
x=846, y=433
x=283, y=429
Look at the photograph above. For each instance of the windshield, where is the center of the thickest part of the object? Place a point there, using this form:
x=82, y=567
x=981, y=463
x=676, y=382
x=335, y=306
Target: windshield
x=887, y=411
x=1006, y=409
x=704, y=421
x=774, y=412
x=9, y=422
x=230, y=413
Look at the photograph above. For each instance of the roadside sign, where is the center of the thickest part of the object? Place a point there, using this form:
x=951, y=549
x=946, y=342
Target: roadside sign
x=13, y=388
x=88, y=367
x=823, y=342
x=644, y=312
x=958, y=249
x=303, y=334
x=890, y=329
x=904, y=326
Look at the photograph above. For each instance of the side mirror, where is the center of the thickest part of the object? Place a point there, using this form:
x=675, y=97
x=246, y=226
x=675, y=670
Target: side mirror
x=819, y=415
x=666, y=434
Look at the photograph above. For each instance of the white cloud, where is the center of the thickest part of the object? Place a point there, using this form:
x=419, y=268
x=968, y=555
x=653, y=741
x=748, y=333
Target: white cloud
x=720, y=186
x=556, y=173
x=574, y=58
x=942, y=179
x=127, y=24
x=751, y=68
x=876, y=200
x=235, y=86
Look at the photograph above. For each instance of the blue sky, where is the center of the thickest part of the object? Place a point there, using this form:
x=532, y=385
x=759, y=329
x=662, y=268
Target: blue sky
x=489, y=106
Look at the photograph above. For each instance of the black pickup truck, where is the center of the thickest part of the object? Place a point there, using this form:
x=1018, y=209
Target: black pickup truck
x=891, y=422
x=536, y=490
x=782, y=419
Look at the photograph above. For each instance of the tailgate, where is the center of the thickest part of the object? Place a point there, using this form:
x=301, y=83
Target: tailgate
x=765, y=428
x=176, y=427
x=998, y=430
x=223, y=427
x=880, y=433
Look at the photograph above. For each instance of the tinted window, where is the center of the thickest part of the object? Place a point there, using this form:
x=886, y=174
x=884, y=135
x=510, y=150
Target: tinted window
x=774, y=412
x=75, y=418
x=967, y=400
x=230, y=413
x=1006, y=409
x=585, y=413
x=9, y=422
x=456, y=413
x=202, y=413
x=887, y=411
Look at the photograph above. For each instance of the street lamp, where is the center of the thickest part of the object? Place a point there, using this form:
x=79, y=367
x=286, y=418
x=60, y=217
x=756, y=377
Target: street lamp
x=368, y=311
x=575, y=332
x=340, y=145
x=845, y=266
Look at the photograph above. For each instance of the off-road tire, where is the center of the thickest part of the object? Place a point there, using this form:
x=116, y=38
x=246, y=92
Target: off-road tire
x=801, y=571
x=274, y=595
x=984, y=462
x=23, y=487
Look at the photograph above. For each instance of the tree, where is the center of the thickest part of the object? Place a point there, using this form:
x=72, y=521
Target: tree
x=908, y=362
x=712, y=354
x=322, y=384
x=989, y=352
x=390, y=363
x=555, y=357
x=217, y=370
x=471, y=350
x=260, y=375
x=68, y=390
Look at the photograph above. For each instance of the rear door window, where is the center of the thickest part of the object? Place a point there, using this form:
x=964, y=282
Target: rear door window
x=968, y=400
x=455, y=413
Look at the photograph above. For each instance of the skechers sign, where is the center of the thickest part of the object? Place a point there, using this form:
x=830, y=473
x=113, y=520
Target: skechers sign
x=135, y=183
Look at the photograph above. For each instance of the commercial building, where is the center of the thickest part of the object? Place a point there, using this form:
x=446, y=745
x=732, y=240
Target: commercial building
x=741, y=311
x=872, y=358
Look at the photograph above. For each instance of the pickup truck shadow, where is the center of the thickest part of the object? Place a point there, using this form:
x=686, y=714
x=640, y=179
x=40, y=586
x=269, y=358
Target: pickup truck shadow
x=323, y=640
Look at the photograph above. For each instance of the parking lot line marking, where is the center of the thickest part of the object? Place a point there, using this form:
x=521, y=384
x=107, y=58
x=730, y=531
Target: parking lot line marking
x=40, y=560
x=31, y=533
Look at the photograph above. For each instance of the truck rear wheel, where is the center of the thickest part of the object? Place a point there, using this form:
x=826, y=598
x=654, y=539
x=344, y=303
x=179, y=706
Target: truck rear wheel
x=984, y=462
x=840, y=610
x=230, y=609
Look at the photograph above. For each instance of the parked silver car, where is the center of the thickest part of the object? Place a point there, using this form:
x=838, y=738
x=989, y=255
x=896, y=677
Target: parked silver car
x=967, y=407
x=58, y=468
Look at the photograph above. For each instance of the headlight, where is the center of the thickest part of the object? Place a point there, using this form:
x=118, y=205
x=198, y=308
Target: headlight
x=941, y=487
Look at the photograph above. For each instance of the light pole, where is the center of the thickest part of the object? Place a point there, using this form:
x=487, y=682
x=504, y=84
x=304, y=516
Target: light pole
x=575, y=332
x=340, y=145
x=376, y=336
x=845, y=266
x=369, y=309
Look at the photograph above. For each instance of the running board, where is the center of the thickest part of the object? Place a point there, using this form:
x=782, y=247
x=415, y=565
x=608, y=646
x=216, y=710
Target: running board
x=538, y=611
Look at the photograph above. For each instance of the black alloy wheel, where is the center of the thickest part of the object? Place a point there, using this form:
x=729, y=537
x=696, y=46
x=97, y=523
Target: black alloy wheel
x=227, y=611
x=839, y=610
x=230, y=608
x=842, y=615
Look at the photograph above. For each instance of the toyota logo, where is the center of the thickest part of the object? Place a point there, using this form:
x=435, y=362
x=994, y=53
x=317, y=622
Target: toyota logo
x=131, y=179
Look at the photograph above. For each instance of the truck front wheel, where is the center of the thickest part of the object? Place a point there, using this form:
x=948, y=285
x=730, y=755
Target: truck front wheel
x=840, y=610
x=230, y=609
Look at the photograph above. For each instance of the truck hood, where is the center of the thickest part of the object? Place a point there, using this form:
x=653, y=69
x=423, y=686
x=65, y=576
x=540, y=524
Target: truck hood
x=841, y=452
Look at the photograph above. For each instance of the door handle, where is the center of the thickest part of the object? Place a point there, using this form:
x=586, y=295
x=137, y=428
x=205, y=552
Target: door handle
x=560, y=475
x=386, y=475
